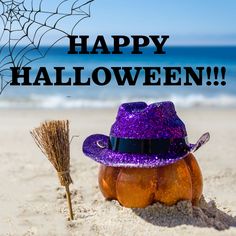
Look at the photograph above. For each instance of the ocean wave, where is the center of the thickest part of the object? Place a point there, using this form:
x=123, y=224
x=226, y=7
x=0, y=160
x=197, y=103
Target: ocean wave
x=61, y=102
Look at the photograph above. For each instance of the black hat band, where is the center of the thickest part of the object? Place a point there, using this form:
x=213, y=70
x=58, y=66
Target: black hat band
x=148, y=146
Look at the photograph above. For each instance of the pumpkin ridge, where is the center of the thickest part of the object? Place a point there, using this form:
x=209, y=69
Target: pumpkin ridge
x=196, y=177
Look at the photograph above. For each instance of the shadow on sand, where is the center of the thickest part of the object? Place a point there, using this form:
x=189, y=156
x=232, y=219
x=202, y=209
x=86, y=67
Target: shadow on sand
x=183, y=213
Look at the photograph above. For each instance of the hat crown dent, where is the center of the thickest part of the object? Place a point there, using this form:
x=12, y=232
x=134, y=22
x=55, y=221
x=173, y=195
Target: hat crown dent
x=141, y=121
x=135, y=107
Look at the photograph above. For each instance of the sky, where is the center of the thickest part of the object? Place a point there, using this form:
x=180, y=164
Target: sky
x=207, y=22
x=188, y=22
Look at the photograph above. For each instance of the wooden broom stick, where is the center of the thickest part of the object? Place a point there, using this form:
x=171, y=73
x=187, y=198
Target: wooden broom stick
x=52, y=137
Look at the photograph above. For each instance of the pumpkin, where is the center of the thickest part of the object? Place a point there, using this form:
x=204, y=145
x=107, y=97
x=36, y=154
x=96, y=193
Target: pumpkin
x=140, y=187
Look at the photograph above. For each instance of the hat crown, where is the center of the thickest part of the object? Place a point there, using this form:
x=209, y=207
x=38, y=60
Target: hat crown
x=138, y=120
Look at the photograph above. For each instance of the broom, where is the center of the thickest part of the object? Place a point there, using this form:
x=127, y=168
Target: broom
x=52, y=137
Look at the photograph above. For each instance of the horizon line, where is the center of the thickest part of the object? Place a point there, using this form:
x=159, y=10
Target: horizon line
x=170, y=45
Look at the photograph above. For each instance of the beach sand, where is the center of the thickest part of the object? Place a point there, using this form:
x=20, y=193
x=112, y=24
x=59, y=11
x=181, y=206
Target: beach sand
x=33, y=203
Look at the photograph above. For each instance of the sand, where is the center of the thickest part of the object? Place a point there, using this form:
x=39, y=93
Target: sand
x=32, y=203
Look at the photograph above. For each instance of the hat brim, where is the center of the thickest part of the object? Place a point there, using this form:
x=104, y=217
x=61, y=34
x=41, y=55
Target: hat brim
x=97, y=148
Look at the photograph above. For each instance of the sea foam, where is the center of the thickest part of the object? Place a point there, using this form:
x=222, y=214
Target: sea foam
x=63, y=102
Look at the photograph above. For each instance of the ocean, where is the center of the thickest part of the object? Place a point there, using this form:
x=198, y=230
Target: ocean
x=112, y=95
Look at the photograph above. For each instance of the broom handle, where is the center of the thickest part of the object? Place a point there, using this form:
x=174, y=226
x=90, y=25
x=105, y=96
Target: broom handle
x=69, y=202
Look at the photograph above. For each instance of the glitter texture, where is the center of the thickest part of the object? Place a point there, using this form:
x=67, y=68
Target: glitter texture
x=141, y=121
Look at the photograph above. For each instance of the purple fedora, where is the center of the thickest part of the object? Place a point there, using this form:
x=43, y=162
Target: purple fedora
x=143, y=136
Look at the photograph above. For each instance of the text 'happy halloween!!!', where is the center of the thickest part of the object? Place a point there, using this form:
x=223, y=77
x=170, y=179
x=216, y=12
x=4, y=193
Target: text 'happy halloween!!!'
x=101, y=75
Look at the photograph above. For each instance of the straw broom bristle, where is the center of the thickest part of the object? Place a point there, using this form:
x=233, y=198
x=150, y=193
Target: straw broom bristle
x=52, y=137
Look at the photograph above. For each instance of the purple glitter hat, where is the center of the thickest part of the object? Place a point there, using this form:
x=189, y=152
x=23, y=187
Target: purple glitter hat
x=143, y=136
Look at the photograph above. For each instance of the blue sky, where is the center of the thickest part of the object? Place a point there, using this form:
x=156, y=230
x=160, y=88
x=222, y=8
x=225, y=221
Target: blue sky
x=186, y=21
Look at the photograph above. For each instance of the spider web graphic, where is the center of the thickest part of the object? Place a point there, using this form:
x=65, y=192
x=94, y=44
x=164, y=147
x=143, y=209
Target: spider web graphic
x=30, y=28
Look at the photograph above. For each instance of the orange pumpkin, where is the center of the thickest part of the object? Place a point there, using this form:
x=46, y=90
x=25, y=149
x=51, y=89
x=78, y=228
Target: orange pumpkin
x=140, y=187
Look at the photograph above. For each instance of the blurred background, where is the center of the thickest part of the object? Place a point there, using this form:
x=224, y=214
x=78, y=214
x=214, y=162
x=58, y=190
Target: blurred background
x=202, y=33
